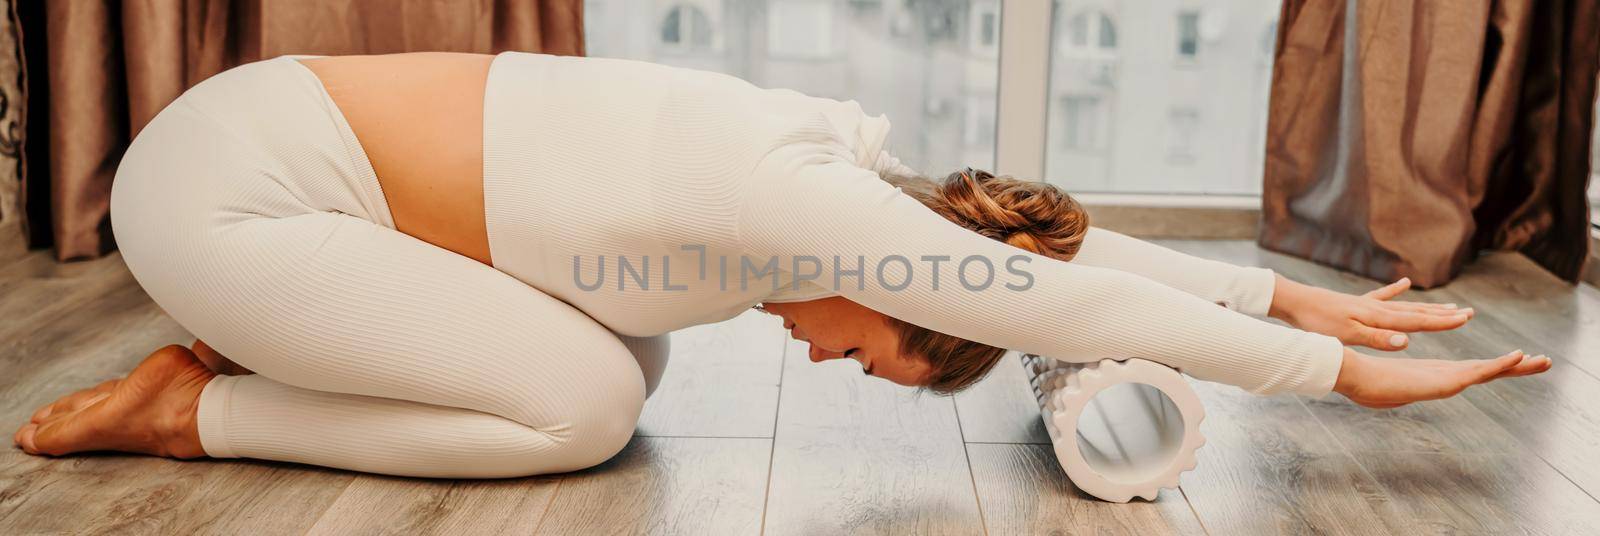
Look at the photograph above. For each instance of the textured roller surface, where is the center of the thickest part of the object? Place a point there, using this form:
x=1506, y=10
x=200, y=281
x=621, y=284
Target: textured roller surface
x=1121, y=429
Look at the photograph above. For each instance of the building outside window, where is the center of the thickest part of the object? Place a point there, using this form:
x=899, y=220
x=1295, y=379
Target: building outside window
x=1082, y=128
x=929, y=65
x=1163, y=121
x=1184, y=125
x=686, y=26
x=1090, y=32
x=1188, y=35
x=800, y=29
x=986, y=28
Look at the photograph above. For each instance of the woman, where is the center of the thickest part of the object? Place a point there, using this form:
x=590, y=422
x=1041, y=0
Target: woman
x=440, y=265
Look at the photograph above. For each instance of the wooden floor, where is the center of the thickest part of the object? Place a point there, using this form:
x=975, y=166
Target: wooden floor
x=747, y=436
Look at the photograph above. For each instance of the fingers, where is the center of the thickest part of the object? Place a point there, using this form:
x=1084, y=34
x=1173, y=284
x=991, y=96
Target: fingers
x=1488, y=369
x=1384, y=339
x=1390, y=290
x=1528, y=366
x=1413, y=321
x=1429, y=308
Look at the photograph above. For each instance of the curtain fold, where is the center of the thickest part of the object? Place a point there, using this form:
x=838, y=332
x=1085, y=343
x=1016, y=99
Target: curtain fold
x=1404, y=137
x=112, y=65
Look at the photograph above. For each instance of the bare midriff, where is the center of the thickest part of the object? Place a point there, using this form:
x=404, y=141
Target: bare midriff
x=419, y=117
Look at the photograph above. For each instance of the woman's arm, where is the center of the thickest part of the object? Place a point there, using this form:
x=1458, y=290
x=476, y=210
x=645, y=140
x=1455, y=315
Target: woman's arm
x=1248, y=290
x=816, y=203
x=1368, y=320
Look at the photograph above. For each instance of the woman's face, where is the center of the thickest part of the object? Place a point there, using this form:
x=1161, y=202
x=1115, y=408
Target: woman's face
x=839, y=328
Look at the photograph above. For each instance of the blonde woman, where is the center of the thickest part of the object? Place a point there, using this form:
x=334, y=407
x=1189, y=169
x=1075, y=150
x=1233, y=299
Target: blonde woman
x=456, y=265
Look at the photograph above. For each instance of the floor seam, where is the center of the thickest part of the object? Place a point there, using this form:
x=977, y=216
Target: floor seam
x=772, y=448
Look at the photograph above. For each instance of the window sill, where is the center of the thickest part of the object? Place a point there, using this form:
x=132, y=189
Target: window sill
x=1175, y=216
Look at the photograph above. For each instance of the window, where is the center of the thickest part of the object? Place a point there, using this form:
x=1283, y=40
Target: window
x=911, y=61
x=979, y=127
x=800, y=29
x=1594, y=170
x=1090, y=33
x=687, y=27
x=1188, y=35
x=986, y=27
x=1125, y=117
x=1184, y=122
x=1082, y=127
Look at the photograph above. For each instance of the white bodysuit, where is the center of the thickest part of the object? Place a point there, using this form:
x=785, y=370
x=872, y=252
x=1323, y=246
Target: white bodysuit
x=249, y=212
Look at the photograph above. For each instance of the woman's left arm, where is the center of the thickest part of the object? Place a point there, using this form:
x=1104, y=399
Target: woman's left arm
x=878, y=247
x=1370, y=319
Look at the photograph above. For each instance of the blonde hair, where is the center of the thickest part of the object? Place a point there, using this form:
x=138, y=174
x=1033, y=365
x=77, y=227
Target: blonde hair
x=1031, y=215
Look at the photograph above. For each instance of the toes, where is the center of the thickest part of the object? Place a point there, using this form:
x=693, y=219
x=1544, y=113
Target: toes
x=67, y=433
x=24, y=438
x=73, y=402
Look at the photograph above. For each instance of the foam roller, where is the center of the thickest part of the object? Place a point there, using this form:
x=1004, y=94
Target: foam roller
x=1121, y=429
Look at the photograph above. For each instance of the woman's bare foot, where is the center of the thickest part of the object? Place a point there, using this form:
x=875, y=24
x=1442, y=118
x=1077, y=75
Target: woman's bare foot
x=215, y=361
x=152, y=411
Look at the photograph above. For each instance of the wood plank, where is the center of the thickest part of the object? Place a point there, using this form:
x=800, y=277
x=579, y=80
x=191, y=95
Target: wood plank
x=103, y=337
x=375, y=504
x=1268, y=467
x=37, y=288
x=1552, y=417
x=1562, y=318
x=120, y=494
x=101, y=340
x=1483, y=494
x=721, y=381
x=666, y=486
x=1023, y=491
x=856, y=454
x=1001, y=408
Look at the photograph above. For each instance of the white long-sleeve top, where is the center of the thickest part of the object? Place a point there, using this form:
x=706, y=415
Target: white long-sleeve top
x=652, y=198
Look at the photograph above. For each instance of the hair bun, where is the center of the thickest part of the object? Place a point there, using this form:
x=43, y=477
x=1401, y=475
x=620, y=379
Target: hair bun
x=1034, y=216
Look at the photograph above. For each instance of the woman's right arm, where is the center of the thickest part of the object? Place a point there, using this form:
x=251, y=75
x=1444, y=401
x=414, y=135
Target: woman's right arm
x=813, y=202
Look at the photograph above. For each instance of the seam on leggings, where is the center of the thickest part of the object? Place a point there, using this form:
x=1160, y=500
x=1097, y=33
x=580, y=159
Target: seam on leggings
x=370, y=189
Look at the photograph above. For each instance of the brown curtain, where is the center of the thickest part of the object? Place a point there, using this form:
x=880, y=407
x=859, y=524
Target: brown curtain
x=1406, y=136
x=111, y=65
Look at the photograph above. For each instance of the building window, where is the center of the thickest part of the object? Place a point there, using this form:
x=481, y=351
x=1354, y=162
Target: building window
x=686, y=27
x=1083, y=125
x=800, y=29
x=978, y=132
x=984, y=27
x=1182, y=125
x=1188, y=35
x=1091, y=32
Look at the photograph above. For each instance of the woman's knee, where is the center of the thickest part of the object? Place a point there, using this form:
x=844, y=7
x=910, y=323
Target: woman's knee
x=602, y=423
x=651, y=353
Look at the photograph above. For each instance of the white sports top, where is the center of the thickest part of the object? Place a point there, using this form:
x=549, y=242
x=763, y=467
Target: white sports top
x=653, y=198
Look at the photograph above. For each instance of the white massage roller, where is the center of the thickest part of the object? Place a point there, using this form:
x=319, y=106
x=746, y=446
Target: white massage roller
x=1120, y=428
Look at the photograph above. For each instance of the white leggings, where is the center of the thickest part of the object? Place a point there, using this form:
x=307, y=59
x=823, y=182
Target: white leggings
x=248, y=211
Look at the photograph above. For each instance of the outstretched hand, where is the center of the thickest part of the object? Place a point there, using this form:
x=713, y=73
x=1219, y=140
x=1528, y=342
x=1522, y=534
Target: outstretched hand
x=1384, y=382
x=1370, y=320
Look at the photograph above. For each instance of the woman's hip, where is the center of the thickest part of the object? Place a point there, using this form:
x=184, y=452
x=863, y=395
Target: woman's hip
x=259, y=140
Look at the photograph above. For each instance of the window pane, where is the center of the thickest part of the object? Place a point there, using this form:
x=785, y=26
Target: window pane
x=917, y=62
x=670, y=26
x=1594, y=168
x=1132, y=115
x=1108, y=33
x=800, y=28
x=1188, y=34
